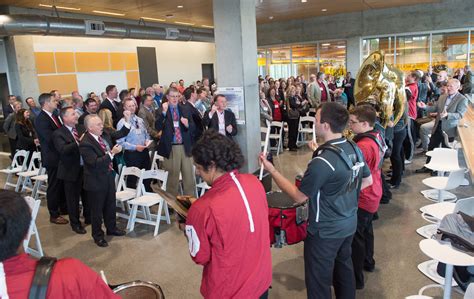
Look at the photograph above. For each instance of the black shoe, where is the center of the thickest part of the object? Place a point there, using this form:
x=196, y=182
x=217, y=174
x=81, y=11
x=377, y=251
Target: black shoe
x=79, y=230
x=394, y=186
x=117, y=232
x=101, y=243
x=423, y=170
x=369, y=269
x=376, y=216
x=434, y=173
x=359, y=287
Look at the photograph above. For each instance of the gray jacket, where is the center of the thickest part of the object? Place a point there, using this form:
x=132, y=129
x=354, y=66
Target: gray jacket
x=314, y=93
x=9, y=126
x=455, y=109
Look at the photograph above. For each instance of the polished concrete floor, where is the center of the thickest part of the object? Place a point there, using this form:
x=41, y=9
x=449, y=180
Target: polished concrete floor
x=165, y=259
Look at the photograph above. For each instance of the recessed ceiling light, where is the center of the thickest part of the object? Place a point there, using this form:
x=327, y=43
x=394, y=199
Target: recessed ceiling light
x=109, y=13
x=59, y=7
x=184, y=23
x=325, y=44
x=324, y=9
x=270, y=17
x=180, y=6
x=304, y=1
x=207, y=26
x=153, y=19
x=341, y=47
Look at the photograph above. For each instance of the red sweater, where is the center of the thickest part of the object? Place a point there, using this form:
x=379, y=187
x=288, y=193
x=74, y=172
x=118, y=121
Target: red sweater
x=369, y=198
x=70, y=279
x=237, y=262
x=412, y=100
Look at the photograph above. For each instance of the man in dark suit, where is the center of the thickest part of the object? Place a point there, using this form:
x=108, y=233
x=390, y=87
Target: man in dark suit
x=91, y=107
x=111, y=103
x=66, y=141
x=221, y=119
x=174, y=121
x=99, y=178
x=9, y=109
x=190, y=96
x=348, y=84
x=45, y=124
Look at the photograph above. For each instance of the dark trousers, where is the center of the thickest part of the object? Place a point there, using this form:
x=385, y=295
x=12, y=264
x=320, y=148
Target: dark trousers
x=436, y=140
x=363, y=246
x=12, y=143
x=410, y=140
x=328, y=262
x=292, y=133
x=398, y=157
x=74, y=192
x=140, y=160
x=102, y=205
x=265, y=295
x=54, y=192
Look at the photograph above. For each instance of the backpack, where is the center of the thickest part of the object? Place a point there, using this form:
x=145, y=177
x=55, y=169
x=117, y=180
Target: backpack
x=380, y=143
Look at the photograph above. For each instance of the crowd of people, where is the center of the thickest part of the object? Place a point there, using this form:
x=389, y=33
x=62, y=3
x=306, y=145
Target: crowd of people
x=82, y=144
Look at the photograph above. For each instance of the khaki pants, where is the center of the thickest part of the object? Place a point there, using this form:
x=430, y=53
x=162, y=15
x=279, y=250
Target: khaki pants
x=178, y=163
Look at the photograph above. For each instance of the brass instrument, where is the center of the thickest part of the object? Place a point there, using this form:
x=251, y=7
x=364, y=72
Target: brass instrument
x=382, y=83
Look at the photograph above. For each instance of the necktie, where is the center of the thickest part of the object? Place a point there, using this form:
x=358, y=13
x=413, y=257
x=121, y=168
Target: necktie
x=56, y=120
x=76, y=135
x=177, y=131
x=104, y=148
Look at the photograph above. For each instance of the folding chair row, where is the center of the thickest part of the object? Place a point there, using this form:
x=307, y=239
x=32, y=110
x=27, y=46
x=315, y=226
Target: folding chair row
x=19, y=164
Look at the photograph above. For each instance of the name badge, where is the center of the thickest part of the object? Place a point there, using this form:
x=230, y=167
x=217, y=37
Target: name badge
x=321, y=88
x=176, y=124
x=277, y=106
x=265, y=108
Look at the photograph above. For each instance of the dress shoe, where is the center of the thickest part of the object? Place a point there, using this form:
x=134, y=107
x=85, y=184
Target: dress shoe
x=394, y=186
x=101, y=243
x=79, y=230
x=58, y=220
x=117, y=232
x=423, y=170
x=369, y=268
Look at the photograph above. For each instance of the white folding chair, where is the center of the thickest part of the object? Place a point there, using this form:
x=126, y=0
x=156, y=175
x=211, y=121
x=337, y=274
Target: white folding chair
x=33, y=230
x=41, y=181
x=304, y=131
x=277, y=136
x=442, y=184
x=202, y=187
x=24, y=177
x=19, y=164
x=263, y=134
x=125, y=193
x=156, y=161
x=149, y=199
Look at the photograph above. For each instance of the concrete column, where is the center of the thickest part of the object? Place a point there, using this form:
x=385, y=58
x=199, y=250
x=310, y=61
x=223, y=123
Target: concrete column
x=22, y=66
x=235, y=34
x=354, y=54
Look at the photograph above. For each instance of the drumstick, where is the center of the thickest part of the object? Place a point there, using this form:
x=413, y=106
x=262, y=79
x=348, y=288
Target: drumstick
x=102, y=274
x=265, y=148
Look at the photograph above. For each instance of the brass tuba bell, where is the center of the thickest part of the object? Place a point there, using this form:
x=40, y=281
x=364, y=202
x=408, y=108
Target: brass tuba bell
x=383, y=84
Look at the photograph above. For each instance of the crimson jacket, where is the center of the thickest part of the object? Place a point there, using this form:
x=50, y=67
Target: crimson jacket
x=231, y=242
x=70, y=279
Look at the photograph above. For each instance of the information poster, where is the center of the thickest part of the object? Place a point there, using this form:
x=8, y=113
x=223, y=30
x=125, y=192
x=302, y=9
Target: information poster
x=235, y=101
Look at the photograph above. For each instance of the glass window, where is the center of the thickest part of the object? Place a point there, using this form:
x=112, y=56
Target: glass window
x=332, y=58
x=413, y=52
x=279, y=59
x=305, y=59
x=449, y=50
x=385, y=44
x=262, y=62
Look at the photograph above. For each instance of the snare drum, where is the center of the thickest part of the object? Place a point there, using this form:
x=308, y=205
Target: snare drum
x=139, y=290
x=288, y=220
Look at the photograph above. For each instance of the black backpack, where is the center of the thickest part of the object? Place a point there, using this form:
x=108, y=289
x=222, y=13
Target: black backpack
x=380, y=143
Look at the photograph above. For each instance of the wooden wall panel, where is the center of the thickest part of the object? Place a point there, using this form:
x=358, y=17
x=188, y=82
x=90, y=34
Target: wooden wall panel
x=65, y=62
x=64, y=83
x=133, y=79
x=45, y=62
x=117, y=61
x=92, y=62
x=131, y=61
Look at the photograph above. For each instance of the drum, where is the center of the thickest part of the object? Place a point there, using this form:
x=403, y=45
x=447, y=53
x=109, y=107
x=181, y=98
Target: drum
x=138, y=290
x=288, y=220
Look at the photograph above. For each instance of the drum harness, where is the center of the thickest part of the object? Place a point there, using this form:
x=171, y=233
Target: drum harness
x=246, y=202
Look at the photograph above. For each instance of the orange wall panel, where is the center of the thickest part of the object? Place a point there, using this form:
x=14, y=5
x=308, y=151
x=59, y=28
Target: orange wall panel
x=45, y=62
x=92, y=62
x=65, y=62
x=117, y=61
x=133, y=79
x=131, y=61
x=64, y=83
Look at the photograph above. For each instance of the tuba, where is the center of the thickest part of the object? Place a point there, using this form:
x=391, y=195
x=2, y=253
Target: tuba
x=383, y=84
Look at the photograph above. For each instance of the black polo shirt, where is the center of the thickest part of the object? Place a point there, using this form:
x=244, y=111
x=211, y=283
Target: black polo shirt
x=332, y=211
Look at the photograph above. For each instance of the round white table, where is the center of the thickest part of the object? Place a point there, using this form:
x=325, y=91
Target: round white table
x=445, y=253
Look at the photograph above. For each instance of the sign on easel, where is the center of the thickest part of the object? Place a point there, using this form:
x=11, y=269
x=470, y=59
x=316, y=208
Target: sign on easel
x=235, y=101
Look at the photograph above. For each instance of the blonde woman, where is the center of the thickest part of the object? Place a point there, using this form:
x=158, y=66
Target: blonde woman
x=106, y=117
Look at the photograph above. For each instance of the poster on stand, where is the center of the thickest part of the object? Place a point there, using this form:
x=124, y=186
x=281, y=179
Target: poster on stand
x=235, y=101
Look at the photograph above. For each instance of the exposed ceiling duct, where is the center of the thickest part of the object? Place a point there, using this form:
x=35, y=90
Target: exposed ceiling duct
x=46, y=25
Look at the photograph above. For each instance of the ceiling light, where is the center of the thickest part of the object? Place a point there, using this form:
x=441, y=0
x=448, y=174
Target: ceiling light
x=324, y=9
x=109, y=13
x=184, y=23
x=180, y=6
x=340, y=47
x=153, y=19
x=270, y=17
x=59, y=7
x=325, y=44
x=207, y=26
x=304, y=1
x=408, y=41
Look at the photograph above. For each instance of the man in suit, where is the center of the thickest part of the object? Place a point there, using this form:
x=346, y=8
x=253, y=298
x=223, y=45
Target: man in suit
x=221, y=119
x=9, y=109
x=91, y=108
x=318, y=90
x=348, y=84
x=448, y=110
x=111, y=103
x=467, y=85
x=174, y=121
x=147, y=113
x=34, y=111
x=45, y=124
x=190, y=96
x=66, y=141
x=99, y=178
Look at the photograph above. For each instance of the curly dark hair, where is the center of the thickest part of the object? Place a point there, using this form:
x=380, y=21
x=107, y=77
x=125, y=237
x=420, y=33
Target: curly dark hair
x=216, y=149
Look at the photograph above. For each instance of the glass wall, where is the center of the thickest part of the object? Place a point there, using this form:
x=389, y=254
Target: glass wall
x=302, y=59
x=442, y=50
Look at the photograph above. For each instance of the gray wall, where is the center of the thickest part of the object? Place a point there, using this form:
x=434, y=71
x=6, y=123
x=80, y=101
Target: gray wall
x=448, y=14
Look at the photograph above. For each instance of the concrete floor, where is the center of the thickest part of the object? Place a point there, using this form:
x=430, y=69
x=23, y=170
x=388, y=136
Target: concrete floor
x=165, y=259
